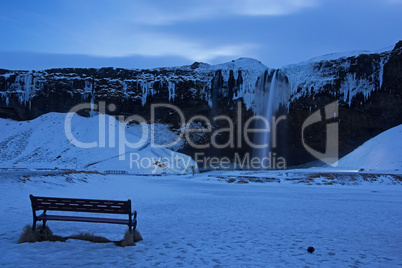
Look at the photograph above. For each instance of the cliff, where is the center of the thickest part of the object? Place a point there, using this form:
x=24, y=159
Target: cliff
x=366, y=85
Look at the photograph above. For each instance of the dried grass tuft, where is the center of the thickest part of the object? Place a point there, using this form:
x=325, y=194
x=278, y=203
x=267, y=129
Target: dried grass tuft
x=128, y=240
x=40, y=234
x=90, y=237
x=137, y=236
x=27, y=236
x=45, y=234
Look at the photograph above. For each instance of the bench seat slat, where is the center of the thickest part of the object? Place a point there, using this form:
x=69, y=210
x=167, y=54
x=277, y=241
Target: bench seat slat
x=84, y=205
x=84, y=209
x=82, y=219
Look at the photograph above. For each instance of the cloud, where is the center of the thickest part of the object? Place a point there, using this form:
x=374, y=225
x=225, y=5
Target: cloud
x=121, y=44
x=125, y=35
x=155, y=28
x=153, y=41
x=270, y=8
x=179, y=11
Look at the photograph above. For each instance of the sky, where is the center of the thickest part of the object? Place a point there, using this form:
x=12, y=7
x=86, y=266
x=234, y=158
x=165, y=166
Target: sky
x=158, y=33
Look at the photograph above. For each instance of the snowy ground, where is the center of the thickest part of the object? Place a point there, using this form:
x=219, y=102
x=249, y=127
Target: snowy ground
x=351, y=214
x=203, y=221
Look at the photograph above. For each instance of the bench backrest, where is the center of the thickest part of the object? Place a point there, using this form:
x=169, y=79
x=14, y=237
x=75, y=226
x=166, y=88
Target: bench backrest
x=80, y=205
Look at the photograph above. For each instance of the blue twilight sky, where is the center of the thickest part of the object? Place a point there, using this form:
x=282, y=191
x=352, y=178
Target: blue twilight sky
x=151, y=33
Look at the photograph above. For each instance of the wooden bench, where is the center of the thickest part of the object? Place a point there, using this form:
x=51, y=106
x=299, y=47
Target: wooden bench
x=82, y=205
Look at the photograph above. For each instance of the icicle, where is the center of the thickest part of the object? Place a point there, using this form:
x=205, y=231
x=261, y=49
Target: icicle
x=144, y=89
x=125, y=89
x=151, y=87
x=171, y=88
x=88, y=86
x=25, y=91
x=381, y=72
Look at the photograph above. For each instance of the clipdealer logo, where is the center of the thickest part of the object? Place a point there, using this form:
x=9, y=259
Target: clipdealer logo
x=236, y=134
x=331, y=154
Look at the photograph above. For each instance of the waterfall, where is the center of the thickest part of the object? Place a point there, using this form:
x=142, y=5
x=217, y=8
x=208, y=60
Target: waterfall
x=271, y=99
x=92, y=112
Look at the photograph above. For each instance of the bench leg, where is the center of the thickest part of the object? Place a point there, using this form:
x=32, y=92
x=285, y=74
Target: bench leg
x=33, y=226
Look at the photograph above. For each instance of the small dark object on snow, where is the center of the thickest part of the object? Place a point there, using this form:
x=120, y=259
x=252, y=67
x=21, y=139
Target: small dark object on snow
x=311, y=249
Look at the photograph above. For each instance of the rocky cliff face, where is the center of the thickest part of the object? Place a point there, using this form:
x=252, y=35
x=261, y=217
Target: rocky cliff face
x=367, y=86
x=199, y=89
x=28, y=94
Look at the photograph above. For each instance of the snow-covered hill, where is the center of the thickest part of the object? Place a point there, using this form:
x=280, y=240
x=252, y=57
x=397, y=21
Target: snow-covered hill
x=42, y=143
x=382, y=152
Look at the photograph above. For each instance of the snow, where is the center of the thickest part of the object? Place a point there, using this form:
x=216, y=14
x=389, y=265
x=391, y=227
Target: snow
x=346, y=54
x=171, y=89
x=262, y=219
x=351, y=86
x=198, y=221
x=26, y=85
x=381, y=73
x=305, y=78
x=250, y=69
x=382, y=152
x=43, y=143
x=88, y=86
x=315, y=75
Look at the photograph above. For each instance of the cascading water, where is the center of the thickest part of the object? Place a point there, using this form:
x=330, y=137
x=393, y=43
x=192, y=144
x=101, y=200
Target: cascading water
x=271, y=97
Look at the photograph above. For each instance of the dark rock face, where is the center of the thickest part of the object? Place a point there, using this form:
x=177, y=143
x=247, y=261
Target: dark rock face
x=26, y=95
x=368, y=89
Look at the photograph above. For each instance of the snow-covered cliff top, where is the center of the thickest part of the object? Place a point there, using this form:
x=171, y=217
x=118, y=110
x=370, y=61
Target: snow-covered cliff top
x=339, y=55
x=339, y=73
x=134, y=84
